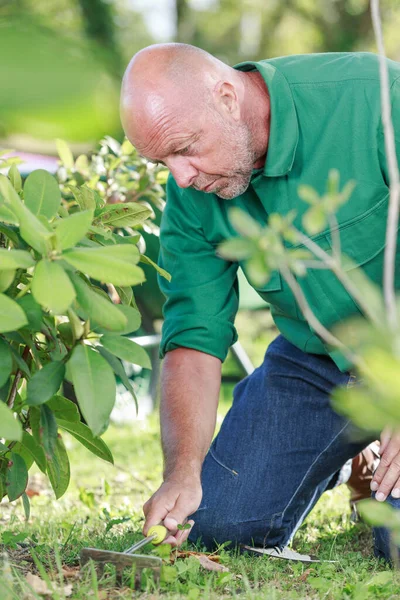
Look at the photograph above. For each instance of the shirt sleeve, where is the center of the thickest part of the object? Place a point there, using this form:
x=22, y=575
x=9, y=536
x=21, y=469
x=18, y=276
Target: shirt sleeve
x=202, y=296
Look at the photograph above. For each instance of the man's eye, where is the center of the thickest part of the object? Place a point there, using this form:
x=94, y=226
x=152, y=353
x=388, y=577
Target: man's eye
x=184, y=150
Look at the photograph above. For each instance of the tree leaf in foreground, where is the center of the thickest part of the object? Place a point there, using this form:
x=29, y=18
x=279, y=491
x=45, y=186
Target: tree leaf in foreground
x=72, y=229
x=36, y=451
x=17, y=477
x=12, y=317
x=83, y=434
x=15, y=259
x=111, y=264
x=45, y=383
x=10, y=428
x=127, y=350
x=99, y=309
x=94, y=384
x=42, y=194
x=52, y=287
x=6, y=362
x=58, y=469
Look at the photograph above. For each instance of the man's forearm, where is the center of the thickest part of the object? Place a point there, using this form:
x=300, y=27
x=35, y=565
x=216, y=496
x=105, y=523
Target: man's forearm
x=190, y=386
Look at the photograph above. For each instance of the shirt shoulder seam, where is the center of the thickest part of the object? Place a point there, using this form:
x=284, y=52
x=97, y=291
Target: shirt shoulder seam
x=336, y=81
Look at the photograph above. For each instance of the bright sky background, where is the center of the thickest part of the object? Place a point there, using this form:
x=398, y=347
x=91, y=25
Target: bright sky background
x=160, y=16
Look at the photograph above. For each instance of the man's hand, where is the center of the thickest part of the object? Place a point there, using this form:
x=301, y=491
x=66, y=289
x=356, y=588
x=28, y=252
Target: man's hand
x=172, y=503
x=386, y=478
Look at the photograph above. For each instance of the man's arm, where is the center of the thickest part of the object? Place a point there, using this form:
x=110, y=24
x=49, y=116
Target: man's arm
x=189, y=398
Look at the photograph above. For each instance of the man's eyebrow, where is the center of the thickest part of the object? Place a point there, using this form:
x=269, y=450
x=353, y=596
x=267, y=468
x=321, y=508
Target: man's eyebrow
x=173, y=148
x=187, y=141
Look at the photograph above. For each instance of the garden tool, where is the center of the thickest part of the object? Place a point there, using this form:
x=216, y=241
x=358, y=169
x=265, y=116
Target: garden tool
x=286, y=554
x=127, y=558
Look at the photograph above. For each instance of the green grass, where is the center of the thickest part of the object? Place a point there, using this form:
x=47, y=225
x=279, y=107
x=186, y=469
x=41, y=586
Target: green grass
x=102, y=509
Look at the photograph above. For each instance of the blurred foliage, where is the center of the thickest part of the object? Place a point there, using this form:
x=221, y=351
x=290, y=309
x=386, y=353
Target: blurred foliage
x=65, y=58
x=254, y=29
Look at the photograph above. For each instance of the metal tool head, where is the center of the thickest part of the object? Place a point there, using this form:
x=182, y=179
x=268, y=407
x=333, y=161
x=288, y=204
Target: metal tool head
x=121, y=561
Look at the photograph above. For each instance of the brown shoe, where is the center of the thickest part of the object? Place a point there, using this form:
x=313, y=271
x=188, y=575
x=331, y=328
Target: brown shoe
x=362, y=469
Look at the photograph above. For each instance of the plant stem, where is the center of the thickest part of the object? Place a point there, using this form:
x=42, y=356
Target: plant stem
x=335, y=237
x=308, y=314
x=24, y=291
x=18, y=374
x=394, y=183
x=337, y=269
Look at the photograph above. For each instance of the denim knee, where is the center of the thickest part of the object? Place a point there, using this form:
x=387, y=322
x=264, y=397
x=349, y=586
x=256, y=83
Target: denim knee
x=212, y=530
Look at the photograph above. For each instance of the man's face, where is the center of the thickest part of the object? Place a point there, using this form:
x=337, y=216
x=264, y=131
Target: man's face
x=205, y=152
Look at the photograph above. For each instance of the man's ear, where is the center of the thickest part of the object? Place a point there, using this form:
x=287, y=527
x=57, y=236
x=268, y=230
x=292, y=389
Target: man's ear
x=227, y=100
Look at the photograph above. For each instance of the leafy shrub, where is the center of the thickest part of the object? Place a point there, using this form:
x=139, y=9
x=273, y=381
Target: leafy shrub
x=61, y=250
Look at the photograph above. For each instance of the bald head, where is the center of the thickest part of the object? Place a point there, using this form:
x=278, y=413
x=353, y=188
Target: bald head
x=169, y=76
x=183, y=107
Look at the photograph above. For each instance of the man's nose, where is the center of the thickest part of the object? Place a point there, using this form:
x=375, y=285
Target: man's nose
x=182, y=171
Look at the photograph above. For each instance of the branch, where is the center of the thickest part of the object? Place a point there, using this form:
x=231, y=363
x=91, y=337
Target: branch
x=18, y=375
x=394, y=184
x=314, y=322
x=333, y=264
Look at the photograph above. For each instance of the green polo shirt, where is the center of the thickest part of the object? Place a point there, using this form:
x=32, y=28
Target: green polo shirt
x=325, y=114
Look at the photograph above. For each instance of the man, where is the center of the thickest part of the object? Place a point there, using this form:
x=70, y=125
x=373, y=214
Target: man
x=247, y=137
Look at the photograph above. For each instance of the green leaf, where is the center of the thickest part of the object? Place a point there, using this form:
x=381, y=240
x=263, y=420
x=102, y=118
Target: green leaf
x=52, y=287
x=243, y=223
x=10, y=428
x=12, y=316
x=58, y=469
x=42, y=194
x=15, y=178
x=85, y=197
x=314, y=220
x=6, y=362
x=32, y=229
x=110, y=264
x=71, y=230
x=128, y=214
x=64, y=409
x=134, y=320
x=379, y=514
x=127, y=350
x=119, y=370
x=236, y=249
x=22, y=366
x=82, y=433
x=65, y=154
x=45, y=383
x=27, y=506
x=125, y=294
x=94, y=384
x=98, y=308
x=35, y=450
x=17, y=477
x=308, y=194
x=32, y=311
x=6, y=279
x=257, y=270
x=7, y=215
x=15, y=259
x=148, y=261
x=47, y=430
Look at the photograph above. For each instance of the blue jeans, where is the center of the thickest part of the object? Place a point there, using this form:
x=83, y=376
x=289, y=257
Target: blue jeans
x=279, y=448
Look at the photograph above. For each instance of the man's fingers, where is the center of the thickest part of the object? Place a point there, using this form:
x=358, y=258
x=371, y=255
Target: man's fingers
x=178, y=514
x=385, y=438
x=390, y=479
x=387, y=458
x=180, y=537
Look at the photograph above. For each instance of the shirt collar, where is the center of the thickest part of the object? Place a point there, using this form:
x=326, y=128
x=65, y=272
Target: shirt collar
x=284, y=129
